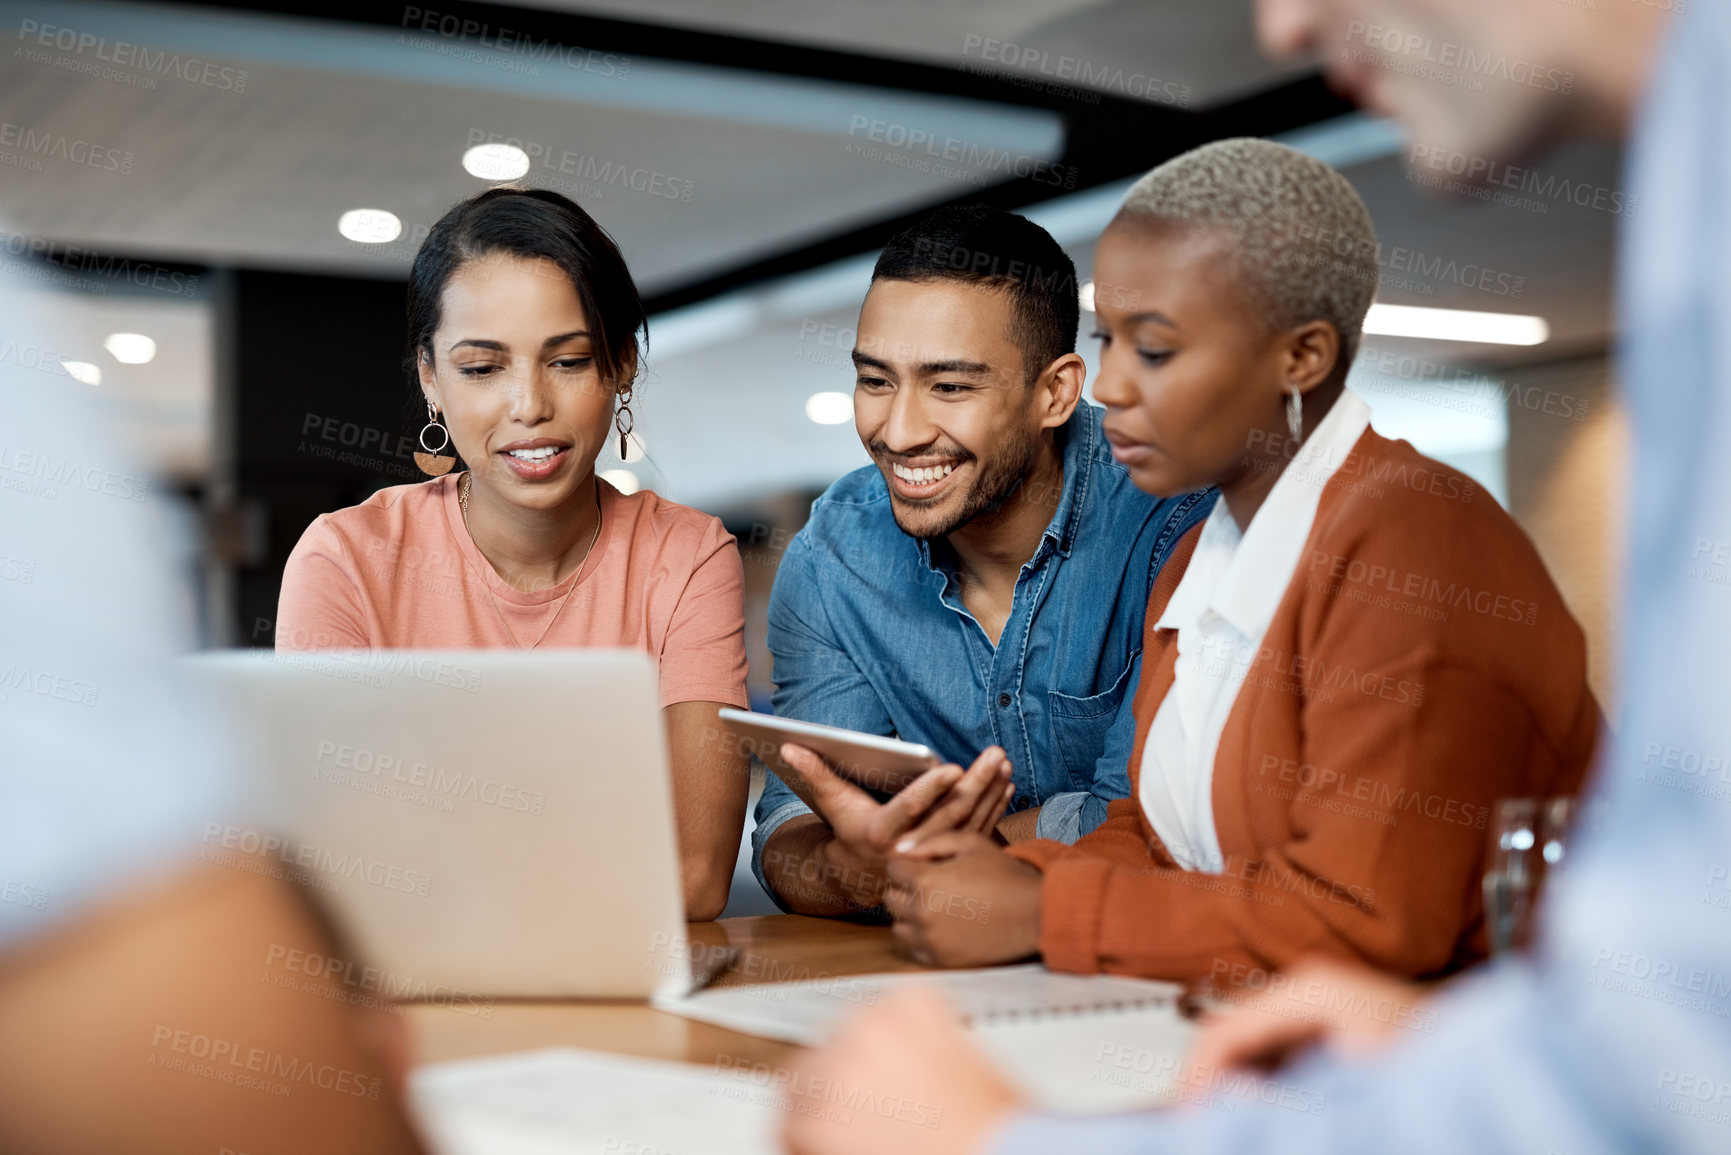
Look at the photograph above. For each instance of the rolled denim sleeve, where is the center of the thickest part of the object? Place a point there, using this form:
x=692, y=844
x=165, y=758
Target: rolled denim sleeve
x=1067, y=817
x=816, y=680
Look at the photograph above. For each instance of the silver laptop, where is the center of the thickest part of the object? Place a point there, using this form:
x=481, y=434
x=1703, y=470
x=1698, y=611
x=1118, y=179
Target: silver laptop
x=483, y=822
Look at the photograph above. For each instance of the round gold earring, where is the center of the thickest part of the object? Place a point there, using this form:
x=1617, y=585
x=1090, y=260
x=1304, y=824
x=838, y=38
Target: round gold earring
x=433, y=461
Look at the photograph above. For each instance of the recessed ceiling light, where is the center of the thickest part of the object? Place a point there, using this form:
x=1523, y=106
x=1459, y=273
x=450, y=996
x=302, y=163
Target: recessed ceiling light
x=1087, y=296
x=82, y=371
x=370, y=226
x=1456, y=325
x=621, y=479
x=829, y=408
x=130, y=348
x=496, y=161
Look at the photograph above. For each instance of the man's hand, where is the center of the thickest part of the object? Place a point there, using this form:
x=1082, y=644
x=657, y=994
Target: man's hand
x=960, y=901
x=911, y=1054
x=1263, y=1031
x=943, y=799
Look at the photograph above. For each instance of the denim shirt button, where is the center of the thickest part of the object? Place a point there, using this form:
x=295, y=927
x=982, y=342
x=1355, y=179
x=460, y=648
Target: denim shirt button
x=1021, y=802
x=1004, y=699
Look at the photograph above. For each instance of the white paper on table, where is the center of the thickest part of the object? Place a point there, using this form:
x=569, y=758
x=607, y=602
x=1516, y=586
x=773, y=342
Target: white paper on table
x=565, y=1101
x=809, y=1011
x=1132, y=1061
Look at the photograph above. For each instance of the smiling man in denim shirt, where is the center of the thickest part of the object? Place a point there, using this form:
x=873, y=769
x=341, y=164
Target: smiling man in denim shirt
x=980, y=587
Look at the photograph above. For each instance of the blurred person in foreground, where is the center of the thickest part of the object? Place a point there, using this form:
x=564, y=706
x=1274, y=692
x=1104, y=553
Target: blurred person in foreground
x=1616, y=1034
x=132, y=1012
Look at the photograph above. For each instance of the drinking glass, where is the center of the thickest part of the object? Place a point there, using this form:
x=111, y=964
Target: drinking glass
x=1528, y=837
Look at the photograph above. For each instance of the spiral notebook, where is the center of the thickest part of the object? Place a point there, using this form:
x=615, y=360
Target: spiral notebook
x=1080, y=1043
x=1074, y=1044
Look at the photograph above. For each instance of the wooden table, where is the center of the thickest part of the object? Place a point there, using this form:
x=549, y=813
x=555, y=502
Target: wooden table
x=771, y=948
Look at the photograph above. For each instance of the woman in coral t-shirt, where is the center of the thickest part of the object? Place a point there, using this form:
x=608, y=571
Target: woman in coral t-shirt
x=523, y=326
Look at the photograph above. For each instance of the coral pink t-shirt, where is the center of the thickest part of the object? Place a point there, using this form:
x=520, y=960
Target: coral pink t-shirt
x=399, y=571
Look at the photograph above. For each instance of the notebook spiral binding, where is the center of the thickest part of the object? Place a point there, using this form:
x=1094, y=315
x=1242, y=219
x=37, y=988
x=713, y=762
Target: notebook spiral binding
x=1010, y=1016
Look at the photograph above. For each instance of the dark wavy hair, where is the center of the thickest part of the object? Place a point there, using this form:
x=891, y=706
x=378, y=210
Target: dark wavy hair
x=532, y=223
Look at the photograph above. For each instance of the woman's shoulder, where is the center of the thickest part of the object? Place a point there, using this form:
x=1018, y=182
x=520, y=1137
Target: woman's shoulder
x=383, y=516
x=1388, y=487
x=1423, y=521
x=652, y=521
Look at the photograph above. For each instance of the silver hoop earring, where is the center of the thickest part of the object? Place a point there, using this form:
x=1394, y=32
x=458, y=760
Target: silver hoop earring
x=1295, y=415
x=433, y=461
x=624, y=421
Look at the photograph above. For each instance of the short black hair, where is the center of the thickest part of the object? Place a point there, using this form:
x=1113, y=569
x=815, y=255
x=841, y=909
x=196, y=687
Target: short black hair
x=981, y=245
x=532, y=223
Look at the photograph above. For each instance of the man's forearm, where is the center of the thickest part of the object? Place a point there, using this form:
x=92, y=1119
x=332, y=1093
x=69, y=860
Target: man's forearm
x=801, y=866
x=1020, y=826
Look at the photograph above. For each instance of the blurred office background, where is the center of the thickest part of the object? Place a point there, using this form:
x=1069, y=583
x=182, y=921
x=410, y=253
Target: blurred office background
x=227, y=197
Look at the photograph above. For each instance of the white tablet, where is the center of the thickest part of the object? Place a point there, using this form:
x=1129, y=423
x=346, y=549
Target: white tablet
x=869, y=760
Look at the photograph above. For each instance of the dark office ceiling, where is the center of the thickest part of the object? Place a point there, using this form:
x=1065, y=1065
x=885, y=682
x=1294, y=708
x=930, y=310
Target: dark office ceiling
x=765, y=140
x=761, y=136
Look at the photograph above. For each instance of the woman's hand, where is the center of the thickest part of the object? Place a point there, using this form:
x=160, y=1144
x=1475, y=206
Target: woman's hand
x=959, y=900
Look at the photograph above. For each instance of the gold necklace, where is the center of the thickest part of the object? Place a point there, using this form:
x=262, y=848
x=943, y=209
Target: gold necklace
x=463, y=507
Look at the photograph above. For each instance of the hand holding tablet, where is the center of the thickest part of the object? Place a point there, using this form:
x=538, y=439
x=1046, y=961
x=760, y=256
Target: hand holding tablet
x=929, y=797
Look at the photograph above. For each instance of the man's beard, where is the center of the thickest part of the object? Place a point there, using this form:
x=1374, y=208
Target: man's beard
x=993, y=486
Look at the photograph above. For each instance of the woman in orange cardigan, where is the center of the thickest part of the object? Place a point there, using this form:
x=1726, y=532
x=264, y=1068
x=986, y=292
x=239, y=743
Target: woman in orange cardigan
x=1343, y=668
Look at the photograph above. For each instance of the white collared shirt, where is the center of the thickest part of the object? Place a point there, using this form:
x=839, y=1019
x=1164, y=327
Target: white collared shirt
x=1221, y=610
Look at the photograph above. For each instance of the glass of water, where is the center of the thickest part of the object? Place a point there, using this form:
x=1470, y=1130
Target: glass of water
x=1527, y=838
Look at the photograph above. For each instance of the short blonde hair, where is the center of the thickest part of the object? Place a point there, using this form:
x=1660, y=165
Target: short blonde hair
x=1304, y=242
